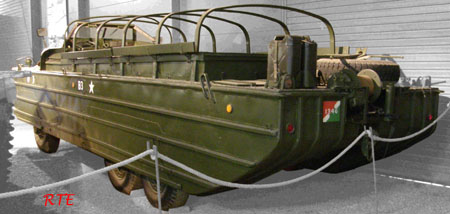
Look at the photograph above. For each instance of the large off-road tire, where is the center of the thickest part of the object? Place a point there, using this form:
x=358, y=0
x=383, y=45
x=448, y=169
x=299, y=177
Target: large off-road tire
x=387, y=71
x=46, y=142
x=123, y=180
x=170, y=197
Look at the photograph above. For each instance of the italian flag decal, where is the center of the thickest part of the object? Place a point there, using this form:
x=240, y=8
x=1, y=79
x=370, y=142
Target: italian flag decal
x=331, y=111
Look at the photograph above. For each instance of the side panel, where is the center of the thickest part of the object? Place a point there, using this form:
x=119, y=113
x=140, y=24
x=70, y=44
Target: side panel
x=188, y=66
x=114, y=118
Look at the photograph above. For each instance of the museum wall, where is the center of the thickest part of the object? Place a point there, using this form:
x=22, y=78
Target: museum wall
x=15, y=33
x=417, y=30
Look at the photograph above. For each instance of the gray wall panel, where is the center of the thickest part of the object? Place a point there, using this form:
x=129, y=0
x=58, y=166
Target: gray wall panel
x=417, y=30
x=15, y=36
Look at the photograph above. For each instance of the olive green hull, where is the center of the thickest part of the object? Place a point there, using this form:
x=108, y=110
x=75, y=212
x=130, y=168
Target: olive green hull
x=414, y=109
x=246, y=145
x=173, y=115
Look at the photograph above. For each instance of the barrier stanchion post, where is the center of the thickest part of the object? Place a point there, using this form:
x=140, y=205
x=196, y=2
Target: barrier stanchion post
x=158, y=189
x=374, y=169
x=154, y=156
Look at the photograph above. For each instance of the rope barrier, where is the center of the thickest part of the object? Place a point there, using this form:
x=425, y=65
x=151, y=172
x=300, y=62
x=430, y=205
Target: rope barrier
x=74, y=179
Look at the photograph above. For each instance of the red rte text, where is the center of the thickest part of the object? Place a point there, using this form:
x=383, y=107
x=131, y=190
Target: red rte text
x=49, y=198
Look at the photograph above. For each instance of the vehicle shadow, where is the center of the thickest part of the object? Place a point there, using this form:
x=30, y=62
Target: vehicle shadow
x=320, y=189
x=31, y=167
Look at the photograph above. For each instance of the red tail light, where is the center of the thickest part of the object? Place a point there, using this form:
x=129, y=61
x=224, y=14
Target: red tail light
x=290, y=128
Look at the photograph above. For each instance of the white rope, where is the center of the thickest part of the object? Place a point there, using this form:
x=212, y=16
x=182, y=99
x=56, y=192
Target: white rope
x=182, y=166
x=259, y=186
x=75, y=179
x=415, y=134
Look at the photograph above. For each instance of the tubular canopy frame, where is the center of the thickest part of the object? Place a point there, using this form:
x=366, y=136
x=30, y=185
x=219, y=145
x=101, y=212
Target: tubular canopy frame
x=156, y=22
x=205, y=13
x=223, y=9
x=191, y=13
x=102, y=24
x=213, y=37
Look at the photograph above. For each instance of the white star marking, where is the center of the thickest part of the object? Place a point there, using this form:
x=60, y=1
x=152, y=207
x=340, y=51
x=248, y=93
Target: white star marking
x=91, y=88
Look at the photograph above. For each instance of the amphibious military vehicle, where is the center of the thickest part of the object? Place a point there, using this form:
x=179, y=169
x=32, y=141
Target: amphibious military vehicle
x=237, y=117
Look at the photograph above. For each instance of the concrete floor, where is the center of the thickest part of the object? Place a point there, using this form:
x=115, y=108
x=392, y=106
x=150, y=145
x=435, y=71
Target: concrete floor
x=349, y=192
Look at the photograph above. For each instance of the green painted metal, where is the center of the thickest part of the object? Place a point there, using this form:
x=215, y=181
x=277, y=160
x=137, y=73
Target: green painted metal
x=128, y=26
x=189, y=12
x=111, y=101
x=223, y=9
x=213, y=37
x=292, y=62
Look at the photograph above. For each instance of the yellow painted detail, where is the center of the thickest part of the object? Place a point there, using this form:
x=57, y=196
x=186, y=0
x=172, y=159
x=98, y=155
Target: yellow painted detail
x=229, y=108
